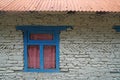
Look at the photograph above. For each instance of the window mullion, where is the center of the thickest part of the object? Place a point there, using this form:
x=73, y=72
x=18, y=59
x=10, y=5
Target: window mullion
x=41, y=57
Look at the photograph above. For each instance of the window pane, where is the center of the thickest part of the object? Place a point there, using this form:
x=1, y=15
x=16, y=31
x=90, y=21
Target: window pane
x=41, y=36
x=49, y=57
x=33, y=56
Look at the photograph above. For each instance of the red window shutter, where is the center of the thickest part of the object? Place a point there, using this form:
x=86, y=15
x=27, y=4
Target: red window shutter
x=41, y=37
x=49, y=57
x=33, y=57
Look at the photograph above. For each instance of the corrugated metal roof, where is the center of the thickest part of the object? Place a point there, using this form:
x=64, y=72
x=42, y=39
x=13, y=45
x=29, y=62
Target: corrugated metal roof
x=60, y=5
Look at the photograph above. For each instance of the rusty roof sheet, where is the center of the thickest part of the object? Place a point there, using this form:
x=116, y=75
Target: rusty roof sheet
x=60, y=5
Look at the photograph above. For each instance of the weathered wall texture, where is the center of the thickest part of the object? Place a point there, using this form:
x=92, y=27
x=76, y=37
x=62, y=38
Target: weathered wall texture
x=91, y=51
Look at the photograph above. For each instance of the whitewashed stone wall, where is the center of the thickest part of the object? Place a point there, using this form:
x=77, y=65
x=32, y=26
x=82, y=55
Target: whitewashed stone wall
x=91, y=51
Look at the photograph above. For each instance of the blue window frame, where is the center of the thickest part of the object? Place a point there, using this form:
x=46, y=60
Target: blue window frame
x=117, y=28
x=53, y=30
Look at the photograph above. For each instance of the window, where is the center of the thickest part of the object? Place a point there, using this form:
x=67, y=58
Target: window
x=41, y=51
x=41, y=48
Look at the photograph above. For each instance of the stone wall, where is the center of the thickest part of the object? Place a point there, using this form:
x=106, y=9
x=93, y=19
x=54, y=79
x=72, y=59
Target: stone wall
x=91, y=51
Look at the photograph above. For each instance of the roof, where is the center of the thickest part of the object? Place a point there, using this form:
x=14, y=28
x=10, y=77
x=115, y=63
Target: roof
x=60, y=5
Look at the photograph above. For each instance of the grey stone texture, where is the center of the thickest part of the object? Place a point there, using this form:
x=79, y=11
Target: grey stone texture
x=91, y=51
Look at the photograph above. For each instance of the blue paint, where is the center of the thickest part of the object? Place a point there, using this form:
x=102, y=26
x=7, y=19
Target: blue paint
x=41, y=58
x=42, y=70
x=25, y=52
x=117, y=28
x=41, y=28
x=57, y=52
x=55, y=30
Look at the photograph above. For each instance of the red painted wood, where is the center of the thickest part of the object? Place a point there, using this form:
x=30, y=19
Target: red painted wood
x=49, y=57
x=33, y=57
x=41, y=37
